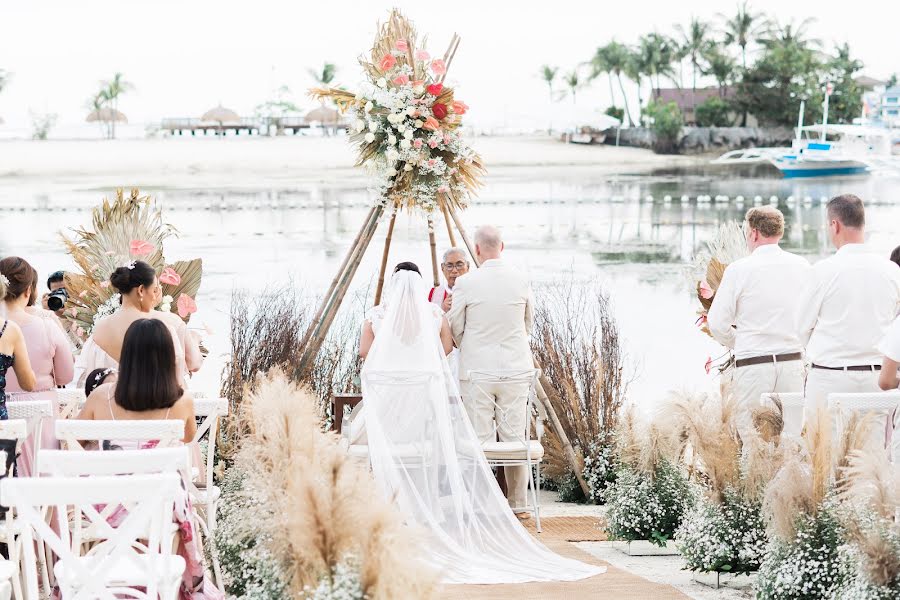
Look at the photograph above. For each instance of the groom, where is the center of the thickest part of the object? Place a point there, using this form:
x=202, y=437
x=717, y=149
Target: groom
x=491, y=322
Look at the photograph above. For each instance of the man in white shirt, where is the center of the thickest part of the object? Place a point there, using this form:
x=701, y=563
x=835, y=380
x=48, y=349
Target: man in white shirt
x=890, y=348
x=754, y=314
x=845, y=313
x=453, y=265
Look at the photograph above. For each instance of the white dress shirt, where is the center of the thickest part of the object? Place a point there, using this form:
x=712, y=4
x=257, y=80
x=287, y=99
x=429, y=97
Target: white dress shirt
x=845, y=313
x=755, y=305
x=890, y=345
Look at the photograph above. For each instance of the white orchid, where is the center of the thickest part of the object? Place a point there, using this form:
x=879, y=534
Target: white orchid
x=381, y=82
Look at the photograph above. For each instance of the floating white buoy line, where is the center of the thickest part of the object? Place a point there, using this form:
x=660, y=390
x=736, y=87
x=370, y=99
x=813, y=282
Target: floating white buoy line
x=684, y=199
x=721, y=199
x=807, y=201
x=791, y=201
x=649, y=198
x=773, y=200
x=757, y=200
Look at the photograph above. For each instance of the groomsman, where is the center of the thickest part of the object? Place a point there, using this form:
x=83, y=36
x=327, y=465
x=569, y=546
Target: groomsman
x=845, y=313
x=754, y=314
x=453, y=265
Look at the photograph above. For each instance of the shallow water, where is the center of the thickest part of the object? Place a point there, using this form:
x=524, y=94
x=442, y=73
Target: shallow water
x=597, y=227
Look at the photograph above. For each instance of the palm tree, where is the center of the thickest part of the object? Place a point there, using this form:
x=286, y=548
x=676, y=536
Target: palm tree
x=790, y=34
x=548, y=74
x=695, y=39
x=742, y=28
x=325, y=76
x=111, y=90
x=639, y=64
x=95, y=104
x=615, y=58
x=573, y=81
x=601, y=64
x=720, y=66
x=658, y=53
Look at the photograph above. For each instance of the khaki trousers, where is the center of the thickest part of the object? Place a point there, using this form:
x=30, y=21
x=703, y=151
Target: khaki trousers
x=821, y=382
x=751, y=382
x=502, y=406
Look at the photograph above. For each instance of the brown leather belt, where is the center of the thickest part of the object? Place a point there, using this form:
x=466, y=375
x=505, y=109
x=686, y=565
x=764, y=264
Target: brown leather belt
x=769, y=358
x=852, y=368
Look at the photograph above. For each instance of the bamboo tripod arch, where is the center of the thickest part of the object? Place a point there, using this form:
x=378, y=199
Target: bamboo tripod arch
x=331, y=303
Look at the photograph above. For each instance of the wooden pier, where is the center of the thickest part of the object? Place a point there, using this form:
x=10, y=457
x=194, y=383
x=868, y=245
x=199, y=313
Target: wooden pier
x=248, y=125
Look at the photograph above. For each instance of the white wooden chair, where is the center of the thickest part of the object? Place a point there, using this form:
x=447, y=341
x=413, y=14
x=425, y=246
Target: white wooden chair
x=133, y=561
x=525, y=451
x=72, y=432
x=791, y=411
x=34, y=412
x=12, y=430
x=884, y=405
x=70, y=401
x=10, y=570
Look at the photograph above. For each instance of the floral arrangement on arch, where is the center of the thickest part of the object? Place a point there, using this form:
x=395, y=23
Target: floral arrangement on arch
x=125, y=230
x=727, y=245
x=407, y=123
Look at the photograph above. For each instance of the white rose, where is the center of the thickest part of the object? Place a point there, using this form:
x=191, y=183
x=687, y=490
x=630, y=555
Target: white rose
x=369, y=106
x=408, y=134
x=401, y=128
x=360, y=124
x=373, y=126
x=411, y=111
x=417, y=90
x=391, y=172
x=381, y=83
x=394, y=118
x=408, y=167
x=405, y=144
x=392, y=155
x=370, y=137
x=419, y=123
x=167, y=299
x=392, y=139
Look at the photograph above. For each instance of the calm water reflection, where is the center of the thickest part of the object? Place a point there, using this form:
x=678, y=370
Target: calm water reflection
x=588, y=226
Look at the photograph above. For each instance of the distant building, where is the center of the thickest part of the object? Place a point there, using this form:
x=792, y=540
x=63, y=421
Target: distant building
x=890, y=107
x=688, y=100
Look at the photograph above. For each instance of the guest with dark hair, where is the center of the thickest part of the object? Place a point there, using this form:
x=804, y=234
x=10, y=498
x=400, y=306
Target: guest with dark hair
x=138, y=286
x=407, y=266
x=148, y=386
x=48, y=348
x=98, y=377
x=56, y=282
x=895, y=256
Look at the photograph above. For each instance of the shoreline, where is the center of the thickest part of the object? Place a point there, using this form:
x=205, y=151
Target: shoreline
x=254, y=162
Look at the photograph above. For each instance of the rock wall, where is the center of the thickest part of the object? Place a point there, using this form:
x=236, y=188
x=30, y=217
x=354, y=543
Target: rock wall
x=700, y=140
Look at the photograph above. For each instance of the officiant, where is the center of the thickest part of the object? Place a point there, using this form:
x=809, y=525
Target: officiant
x=453, y=265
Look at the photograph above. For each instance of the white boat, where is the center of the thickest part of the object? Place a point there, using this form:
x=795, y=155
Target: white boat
x=823, y=151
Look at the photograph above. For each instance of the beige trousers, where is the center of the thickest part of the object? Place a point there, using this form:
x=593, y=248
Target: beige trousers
x=751, y=382
x=821, y=382
x=501, y=408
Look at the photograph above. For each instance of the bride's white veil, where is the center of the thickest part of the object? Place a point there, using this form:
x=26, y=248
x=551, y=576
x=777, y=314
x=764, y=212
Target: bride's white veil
x=424, y=453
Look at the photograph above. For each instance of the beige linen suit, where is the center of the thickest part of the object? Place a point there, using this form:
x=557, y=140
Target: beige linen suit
x=491, y=320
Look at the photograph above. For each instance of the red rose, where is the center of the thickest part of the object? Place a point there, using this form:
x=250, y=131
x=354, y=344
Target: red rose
x=435, y=89
x=439, y=110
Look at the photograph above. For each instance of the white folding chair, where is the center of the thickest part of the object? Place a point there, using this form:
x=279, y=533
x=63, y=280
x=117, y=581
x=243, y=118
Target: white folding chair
x=204, y=493
x=133, y=561
x=16, y=430
x=791, y=411
x=70, y=401
x=73, y=432
x=884, y=405
x=10, y=570
x=524, y=450
x=34, y=412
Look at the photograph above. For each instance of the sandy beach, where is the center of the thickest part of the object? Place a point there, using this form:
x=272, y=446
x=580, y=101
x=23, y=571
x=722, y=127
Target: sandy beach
x=209, y=162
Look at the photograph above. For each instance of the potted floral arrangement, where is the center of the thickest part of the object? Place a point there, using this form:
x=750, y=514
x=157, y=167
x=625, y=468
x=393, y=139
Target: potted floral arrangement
x=722, y=538
x=650, y=494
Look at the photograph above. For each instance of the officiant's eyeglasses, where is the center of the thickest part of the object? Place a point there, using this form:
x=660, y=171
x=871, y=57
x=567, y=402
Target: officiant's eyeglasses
x=459, y=266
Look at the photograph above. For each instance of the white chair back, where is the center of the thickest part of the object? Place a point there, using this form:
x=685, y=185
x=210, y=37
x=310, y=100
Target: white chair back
x=523, y=382
x=13, y=430
x=65, y=463
x=34, y=412
x=73, y=432
x=883, y=405
x=209, y=411
x=791, y=411
x=135, y=553
x=70, y=401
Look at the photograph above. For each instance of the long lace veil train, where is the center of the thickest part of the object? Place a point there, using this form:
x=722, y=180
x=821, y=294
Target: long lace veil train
x=425, y=454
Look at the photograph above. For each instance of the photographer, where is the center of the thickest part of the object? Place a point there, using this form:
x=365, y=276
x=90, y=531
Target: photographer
x=55, y=300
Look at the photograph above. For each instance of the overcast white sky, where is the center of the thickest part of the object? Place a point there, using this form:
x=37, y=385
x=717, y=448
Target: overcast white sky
x=185, y=56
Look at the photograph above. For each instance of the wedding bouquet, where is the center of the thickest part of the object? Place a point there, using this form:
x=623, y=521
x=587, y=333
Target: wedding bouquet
x=407, y=123
x=125, y=230
x=727, y=245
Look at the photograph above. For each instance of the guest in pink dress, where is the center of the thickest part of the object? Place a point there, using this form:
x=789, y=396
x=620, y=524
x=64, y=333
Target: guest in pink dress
x=48, y=349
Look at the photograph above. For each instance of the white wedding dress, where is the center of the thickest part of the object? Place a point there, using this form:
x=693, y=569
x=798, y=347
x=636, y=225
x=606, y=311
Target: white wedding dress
x=425, y=455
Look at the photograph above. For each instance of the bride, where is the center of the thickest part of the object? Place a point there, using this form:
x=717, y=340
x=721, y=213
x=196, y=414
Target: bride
x=424, y=452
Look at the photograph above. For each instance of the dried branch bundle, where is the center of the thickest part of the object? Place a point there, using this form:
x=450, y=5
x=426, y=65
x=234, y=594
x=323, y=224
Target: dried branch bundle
x=329, y=508
x=727, y=245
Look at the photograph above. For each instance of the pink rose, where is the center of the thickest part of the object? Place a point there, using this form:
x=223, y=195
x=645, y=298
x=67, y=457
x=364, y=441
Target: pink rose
x=706, y=292
x=401, y=80
x=401, y=45
x=708, y=365
x=186, y=306
x=417, y=144
x=104, y=284
x=435, y=89
x=446, y=139
x=422, y=56
x=170, y=277
x=388, y=62
x=141, y=248
x=438, y=67
x=432, y=144
x=431, y=124
x=459, y=107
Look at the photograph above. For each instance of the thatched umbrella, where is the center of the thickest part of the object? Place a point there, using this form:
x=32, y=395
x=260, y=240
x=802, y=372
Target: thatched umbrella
x=220, y=115
x=323, y=114
x=106, y=115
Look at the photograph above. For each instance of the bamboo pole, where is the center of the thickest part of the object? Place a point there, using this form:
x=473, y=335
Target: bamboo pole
x=462, y=233
x=330, y=305
x=433, y=243
x=384, y=257
x=449, y=224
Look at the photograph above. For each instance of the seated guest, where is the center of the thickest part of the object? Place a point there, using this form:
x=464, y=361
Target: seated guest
x=453, y=265
x=890, y=348
x=98, y=377
x=48, y=349
x=147, y=387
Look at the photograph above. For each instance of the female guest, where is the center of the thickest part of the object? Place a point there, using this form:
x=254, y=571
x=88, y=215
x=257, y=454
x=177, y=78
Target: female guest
x=148, y=388
x=48, y=349
x=12, y=354
x=141, y=293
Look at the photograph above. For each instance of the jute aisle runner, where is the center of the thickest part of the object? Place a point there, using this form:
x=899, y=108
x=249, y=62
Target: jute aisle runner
x=558, y=535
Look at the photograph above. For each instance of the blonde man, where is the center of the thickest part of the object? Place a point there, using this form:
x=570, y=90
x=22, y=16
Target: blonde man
x=754, y=314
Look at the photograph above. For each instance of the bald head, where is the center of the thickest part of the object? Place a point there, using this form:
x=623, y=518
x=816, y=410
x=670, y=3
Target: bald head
x=488, y=243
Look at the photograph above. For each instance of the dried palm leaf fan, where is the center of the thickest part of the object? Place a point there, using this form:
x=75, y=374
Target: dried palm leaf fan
x=128, y=228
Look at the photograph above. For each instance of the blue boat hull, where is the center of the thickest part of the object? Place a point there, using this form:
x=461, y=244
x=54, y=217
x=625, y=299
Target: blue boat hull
x=826, y=172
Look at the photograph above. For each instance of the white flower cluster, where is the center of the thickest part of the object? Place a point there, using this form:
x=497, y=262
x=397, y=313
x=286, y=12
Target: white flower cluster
x=639, y=507
x=729, y=536
x=165, y=304
x=344, y=583
x=112, y=304
x=857, y=568
x=598, y=470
